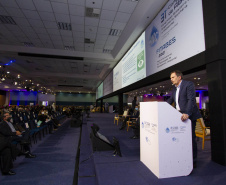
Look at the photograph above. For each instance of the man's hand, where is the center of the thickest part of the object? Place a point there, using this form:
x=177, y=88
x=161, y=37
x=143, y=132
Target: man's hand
x=18, y=133
x=184, y=117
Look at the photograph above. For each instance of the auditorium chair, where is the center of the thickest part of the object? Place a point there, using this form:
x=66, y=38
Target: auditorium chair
x=131, y=122
x=120, y=117
x=202, y=131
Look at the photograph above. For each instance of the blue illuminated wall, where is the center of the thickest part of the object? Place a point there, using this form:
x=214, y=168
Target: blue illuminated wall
x=23, y=98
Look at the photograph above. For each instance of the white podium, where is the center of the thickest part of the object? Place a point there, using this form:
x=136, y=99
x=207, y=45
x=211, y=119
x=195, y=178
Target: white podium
x=165, y=140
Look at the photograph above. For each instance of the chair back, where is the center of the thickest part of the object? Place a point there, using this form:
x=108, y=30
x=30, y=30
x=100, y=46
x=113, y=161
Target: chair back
x=125, y=113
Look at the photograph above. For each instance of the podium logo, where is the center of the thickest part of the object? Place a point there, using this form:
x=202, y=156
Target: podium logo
x=183, y=128
x=148, y=140
x=142, y=124
x=146, y=124
x=167, y=130
x=173, y=129
x=175, y=139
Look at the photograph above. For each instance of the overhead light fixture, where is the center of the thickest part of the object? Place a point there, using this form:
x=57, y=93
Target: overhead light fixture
x=69, y=47
x=7, y=20
x=106, y=51
x=64, y=26
x=28, y=44
x=115, y=32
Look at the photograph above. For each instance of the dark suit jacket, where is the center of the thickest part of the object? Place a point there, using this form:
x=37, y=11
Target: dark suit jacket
x=186, y=100
x=5, y=131
x=5, y=139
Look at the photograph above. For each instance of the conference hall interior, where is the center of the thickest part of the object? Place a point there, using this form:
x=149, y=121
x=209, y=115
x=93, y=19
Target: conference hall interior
x=79, y=80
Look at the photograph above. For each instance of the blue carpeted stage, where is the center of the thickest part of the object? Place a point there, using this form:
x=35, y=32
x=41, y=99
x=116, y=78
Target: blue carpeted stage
x=56, y=160
x=128, y=170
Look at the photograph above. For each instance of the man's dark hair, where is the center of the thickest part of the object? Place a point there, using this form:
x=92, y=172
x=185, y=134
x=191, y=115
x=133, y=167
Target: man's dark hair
x=178, y=73
x=3, y=115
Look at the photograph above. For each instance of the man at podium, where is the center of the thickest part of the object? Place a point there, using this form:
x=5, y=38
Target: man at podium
x=184, y=98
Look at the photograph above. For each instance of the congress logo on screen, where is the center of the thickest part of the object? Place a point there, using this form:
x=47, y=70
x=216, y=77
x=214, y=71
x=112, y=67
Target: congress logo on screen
x=140, y=61
x=154, y=36
x=142, y=44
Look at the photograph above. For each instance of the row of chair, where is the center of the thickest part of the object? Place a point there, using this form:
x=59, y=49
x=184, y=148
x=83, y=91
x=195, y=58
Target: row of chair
x=31, y=122
x=201, y=130
x=120, y=118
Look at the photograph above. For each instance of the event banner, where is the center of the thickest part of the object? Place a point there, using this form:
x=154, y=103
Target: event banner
x=176, y=34
x=132, y=66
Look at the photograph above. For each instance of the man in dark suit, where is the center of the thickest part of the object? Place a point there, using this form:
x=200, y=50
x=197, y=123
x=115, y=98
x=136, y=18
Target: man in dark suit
x=8, y=152
x=134, y=103
x=8, y=131
x=184, y=97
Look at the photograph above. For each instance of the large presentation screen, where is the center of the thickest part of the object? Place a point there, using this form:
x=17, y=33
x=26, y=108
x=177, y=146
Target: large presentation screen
x=108, y=84
x=132, y=67
x=99, y=91
x=176, y=34
x=117, y=77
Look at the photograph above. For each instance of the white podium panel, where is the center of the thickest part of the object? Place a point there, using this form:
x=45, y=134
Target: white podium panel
x=165, y=140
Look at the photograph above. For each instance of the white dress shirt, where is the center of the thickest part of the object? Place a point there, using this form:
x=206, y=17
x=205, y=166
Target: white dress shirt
x=177, y=96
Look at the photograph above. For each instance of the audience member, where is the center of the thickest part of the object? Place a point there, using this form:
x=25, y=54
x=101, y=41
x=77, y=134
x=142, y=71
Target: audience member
x=131, y=114
x=8, y=131
x=134, y=103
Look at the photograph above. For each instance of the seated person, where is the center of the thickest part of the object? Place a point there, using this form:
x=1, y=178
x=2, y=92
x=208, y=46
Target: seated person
x=136, y=129
x=131, y=114
x=6, y=161
x=45, y=119
x=8, y=131
x=8, y=152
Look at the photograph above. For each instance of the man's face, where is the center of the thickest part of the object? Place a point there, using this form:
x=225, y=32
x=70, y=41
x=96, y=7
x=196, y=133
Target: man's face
x=175, y=79
x=7, y=116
